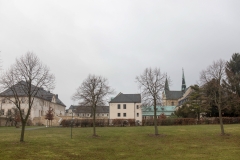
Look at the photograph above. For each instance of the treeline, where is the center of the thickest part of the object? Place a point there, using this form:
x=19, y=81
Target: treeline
x=218, y=93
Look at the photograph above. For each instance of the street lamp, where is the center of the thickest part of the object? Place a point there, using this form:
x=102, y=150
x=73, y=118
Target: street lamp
x=1, y=114
x=72, y=123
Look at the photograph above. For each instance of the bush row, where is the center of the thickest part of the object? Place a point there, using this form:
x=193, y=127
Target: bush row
x=98, y=122
x=191, y=121
x=169, y=121
x=147, y=122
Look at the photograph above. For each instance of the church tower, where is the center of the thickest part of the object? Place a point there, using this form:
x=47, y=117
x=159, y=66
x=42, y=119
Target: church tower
x=183, y=82
x=166, y=87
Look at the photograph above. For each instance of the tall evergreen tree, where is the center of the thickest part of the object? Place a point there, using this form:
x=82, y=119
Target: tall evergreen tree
x=232, y=83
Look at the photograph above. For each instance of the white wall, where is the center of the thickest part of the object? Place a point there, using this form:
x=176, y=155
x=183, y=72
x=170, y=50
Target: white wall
x=39, y=107
x=131, y=111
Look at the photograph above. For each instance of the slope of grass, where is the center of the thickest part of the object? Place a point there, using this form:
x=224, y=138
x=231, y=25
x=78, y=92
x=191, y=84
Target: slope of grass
x=175, y=142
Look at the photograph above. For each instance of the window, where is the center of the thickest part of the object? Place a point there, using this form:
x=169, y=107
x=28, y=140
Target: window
x=102, y=114
x=119, y=106
x=172, y=103
x=9, y=111
x=2, y=112
x=22, y=110
x=137, y=106
x=107, y=114
x=22, y=100
x=124, y=106
x=137, y=114
x=3, y=101
x=124, y=114
x=119, y=114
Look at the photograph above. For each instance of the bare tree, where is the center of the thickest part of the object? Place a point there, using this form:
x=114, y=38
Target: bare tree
x=212, y=79
x=93, y=92
x=26, y=78
x=152, y=83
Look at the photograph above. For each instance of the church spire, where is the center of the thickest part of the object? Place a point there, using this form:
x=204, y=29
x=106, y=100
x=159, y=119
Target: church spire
x=166, y=87
x=183, y=82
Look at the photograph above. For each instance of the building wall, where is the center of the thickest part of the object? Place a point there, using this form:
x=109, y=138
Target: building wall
x=170, y=102
x=132, y=111
x=39, y=109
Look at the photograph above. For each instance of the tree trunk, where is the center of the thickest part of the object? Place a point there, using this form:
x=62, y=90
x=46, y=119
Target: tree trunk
x=155, y=117
x=23, y=131
x=94, y=129
x=220, y=119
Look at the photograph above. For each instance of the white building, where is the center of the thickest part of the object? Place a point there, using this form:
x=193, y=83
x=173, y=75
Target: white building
x=102, y=112
x=42, y=102
x=126, y=106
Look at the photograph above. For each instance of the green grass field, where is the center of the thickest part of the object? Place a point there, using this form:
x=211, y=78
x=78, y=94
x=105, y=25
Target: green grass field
x=176, y=142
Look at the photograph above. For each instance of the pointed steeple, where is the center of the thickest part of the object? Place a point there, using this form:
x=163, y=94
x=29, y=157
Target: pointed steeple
x=166, y=87
x=183, y=82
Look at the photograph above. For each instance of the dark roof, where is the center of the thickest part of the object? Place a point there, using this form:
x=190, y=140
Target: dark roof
x=173, y=94
x=87, y=109
x=126, y=98
x=42, y=94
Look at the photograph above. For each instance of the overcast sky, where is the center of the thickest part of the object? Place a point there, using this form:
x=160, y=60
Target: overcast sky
x=119, y=39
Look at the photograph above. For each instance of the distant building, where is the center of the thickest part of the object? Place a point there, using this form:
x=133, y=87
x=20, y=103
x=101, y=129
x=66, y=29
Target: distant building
x=42, y=102
x=86, y=111
x=148, y=112
x=126, y=106
x=184, y=97
x=170, y=98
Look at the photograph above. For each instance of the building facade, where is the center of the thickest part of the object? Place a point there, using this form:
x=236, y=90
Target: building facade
x=43, y=101
x=126, y=106
x=102, y=112
x=148, y=112
x=170, y=98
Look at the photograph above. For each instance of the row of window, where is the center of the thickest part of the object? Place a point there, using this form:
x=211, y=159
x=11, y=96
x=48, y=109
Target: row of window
x=125, y=114
x=9, y=112
x=9, y=101
x=87, y=115
x=124, y=106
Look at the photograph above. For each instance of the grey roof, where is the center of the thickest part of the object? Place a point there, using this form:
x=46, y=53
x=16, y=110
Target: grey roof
x=126, y=98
x=173, y=94
x=42, y=94
x=87, y=109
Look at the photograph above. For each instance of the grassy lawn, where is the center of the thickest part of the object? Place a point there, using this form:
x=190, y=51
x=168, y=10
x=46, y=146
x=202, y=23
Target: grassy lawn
x=177, y=142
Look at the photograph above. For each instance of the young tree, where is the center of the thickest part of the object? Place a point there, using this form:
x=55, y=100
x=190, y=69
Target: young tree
x=49, y=115
x=152, y=83
x=25, y=78
x=93, y=92
x=212, y=80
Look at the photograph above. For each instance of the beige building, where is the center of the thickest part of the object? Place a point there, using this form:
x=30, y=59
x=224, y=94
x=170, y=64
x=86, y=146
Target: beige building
x=42, y=102
x=102, y=112
x=126, y=106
